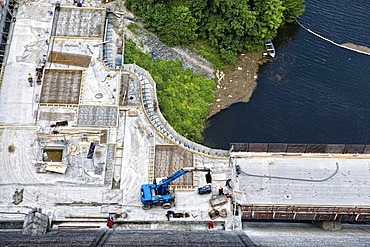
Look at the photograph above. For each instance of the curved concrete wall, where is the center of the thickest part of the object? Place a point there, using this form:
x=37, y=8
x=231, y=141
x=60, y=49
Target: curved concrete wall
x=149, y=101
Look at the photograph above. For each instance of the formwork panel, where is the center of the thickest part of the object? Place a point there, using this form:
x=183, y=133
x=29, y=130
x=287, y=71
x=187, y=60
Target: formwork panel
x=277, y=147
x=363, y=217
x=130, y=91
x=316, y=148
x=171, y=158
x=345, y=217
x=239, y=147
x=61, y=86
x=296, y=148
x=325, y=217
x=335, y=148
x=304, y=216
x=69, y=59
x=262, y=216
x=258, y=147
x=53, y=116
x=97, y=116
x=79, y=22
x=283, y=216
x=246, y=215
x=367, y=149
x=354, y=149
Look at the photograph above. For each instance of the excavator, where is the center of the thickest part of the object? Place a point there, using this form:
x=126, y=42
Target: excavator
x=159, y=194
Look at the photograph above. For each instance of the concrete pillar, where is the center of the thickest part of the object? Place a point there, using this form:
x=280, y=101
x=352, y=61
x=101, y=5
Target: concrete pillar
x=330, y=225
x=35, y=223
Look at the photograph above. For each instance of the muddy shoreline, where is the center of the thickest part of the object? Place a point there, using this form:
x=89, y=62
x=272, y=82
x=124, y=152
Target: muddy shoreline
x=238, y=83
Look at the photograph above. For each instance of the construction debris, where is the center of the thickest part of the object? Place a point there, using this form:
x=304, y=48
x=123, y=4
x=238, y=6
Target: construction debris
x=58, y=168
x=219, y=200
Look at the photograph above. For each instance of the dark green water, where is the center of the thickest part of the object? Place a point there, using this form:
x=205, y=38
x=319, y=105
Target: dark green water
x=313, y=91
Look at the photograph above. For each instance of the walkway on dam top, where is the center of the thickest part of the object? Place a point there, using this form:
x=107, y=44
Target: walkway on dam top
x=272, y=179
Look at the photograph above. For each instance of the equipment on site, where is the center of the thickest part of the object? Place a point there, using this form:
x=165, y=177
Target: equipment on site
x=159, y=194
x=206, y=189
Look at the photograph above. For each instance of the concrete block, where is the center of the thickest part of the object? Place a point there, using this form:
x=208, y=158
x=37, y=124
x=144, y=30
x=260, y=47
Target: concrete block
x=330, y=225
x=35, y=223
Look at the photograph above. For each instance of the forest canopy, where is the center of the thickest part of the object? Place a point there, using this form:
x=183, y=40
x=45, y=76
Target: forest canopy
x=218, y=30
x=229, y=26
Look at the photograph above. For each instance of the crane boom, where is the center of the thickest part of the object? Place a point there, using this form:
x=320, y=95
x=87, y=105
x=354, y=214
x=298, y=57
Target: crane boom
x=163, y=185
x=158, y=194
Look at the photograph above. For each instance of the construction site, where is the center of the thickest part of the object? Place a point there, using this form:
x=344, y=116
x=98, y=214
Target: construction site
x=81, y=133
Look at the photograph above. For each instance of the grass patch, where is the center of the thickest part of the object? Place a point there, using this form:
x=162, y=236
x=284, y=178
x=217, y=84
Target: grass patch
x=204, y=49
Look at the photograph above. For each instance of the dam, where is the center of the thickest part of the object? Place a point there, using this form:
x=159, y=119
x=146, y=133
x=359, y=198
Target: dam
x=81, y=140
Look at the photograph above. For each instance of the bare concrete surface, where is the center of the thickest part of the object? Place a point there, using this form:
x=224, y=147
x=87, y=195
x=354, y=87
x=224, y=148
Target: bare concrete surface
x=270, y=234
x=303, y=179
x=45, y=146
x=80, y=162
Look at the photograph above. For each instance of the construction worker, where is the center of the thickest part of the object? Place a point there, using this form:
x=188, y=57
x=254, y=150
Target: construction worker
x=228, y=183
x=211, y=225
x=221, y=191
x=110, y=222
x=30, y=79
x=57, y=5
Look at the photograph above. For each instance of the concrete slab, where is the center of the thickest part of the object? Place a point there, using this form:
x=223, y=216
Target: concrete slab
x=303, y=180
x=300, y=234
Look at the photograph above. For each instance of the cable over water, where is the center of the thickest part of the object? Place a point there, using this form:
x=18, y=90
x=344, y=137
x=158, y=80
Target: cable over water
x=295, y=179
x=348, y=46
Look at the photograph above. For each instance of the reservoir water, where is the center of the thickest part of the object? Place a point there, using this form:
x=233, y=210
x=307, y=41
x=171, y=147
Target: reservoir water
x=313, y=91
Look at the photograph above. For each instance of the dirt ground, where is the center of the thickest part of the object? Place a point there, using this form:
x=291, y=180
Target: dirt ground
x=238, y=83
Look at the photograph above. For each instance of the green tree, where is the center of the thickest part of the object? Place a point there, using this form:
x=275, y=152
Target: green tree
x=293, y=9
x=229, y=26
x=226, y=23
x=180, y=28
x=269, y=17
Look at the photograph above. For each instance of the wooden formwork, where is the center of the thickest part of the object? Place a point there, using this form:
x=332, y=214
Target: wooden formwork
x=69, y=59
x=171, y=158
x=61, y=86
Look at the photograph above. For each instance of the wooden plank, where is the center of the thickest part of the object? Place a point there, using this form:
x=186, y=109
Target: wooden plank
x=69, y=59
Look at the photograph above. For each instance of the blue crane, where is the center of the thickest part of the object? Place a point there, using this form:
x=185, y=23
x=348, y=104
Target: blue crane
x=159, y=194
